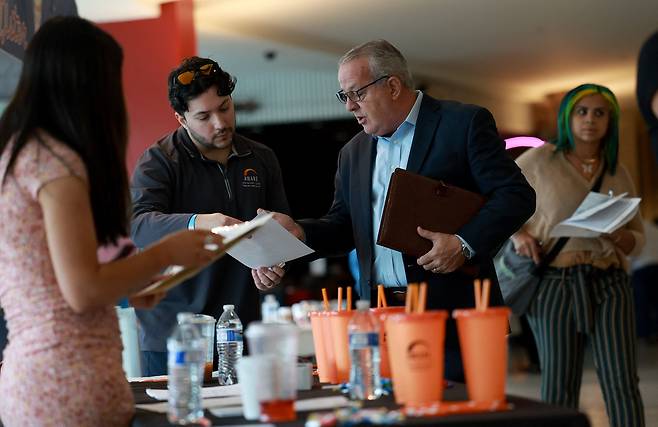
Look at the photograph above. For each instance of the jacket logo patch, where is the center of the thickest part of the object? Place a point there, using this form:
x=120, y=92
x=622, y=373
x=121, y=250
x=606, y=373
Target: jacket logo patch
x=250, y=179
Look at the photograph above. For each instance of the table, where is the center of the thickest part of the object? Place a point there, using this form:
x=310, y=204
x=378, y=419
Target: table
x=525, y=412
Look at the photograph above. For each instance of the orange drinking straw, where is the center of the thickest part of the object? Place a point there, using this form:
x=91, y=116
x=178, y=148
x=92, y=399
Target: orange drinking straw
x=476, y=289
x=383, y=296
x=414, y=296
x=485, y=295
x=340, y=298
x=407, y=301
x=349, y=298
x=379, y=296
x=412, y=293
x=325, y=299
x=422, y=298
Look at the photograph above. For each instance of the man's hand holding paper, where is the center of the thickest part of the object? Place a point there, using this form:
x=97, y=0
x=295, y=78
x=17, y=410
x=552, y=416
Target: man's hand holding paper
x=288, y=223
x=269, y=245
x=265, y=278
x=210, y=221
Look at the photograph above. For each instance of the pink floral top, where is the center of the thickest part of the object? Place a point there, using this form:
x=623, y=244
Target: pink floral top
x=60, y=368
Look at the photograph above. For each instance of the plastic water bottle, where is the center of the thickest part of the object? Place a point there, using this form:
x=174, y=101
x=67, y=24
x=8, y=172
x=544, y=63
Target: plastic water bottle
x=363, y=333
x=268, y=309
x=186, y=355
x=229, y=345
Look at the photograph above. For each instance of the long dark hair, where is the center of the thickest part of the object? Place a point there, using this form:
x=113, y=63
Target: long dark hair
x=70, y=87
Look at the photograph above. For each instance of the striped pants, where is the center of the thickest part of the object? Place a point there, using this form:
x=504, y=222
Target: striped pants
x=583, y=305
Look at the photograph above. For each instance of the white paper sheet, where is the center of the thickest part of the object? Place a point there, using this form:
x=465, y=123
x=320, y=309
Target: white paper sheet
x=233, y=403
x=598, y=214
x=153, y=379
x=269, y=245
x=232, y=406
x=313, y=404
x=206, y=392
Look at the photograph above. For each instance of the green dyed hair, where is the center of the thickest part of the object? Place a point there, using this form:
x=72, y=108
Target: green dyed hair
x=565, y=142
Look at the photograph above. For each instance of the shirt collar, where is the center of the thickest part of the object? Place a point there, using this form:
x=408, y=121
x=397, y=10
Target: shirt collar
x=413, y=114
x=411, y=119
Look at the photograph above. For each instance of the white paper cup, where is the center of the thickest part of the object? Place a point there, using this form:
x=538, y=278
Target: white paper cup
x=281, y=341
x=255, y=375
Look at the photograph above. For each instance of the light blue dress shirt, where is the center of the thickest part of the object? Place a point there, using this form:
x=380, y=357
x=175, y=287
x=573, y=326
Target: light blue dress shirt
x=392, y=152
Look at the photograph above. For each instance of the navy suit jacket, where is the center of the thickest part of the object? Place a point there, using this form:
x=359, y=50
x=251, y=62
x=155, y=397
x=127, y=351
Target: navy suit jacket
x=454, y=142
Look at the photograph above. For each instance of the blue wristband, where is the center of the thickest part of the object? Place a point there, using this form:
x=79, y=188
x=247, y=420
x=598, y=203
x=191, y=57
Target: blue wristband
x=191, y=224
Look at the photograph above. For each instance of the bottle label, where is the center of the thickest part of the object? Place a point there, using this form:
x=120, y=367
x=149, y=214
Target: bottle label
x=177, y=357
x=229, y=335
x=360, y=340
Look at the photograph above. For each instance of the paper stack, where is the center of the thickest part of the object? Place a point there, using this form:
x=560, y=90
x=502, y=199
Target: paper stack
x=598, y=214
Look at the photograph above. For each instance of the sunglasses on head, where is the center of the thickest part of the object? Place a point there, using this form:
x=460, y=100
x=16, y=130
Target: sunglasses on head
x=187, y=77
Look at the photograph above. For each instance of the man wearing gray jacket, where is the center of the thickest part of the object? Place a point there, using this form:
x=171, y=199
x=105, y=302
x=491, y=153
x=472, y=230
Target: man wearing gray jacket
x=202, y=175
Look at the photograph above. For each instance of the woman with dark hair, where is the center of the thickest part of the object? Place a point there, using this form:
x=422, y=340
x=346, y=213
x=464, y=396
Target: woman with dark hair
x=584, y=297
x=63, y=192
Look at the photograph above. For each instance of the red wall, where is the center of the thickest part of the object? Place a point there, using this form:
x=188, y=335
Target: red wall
x=152, y=48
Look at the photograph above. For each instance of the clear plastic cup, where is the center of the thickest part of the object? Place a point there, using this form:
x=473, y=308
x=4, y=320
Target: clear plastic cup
x=280, y=341
x=206, y=325
x=254, y=375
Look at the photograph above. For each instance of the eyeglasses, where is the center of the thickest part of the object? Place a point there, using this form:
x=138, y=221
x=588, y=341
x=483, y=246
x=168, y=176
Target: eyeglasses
x=187, y=77
x=356, y=95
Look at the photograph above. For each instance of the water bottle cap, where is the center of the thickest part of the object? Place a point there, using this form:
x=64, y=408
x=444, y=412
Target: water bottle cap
x=362, y=304
x=284, y=314
x=270, y=298
x=228, y=307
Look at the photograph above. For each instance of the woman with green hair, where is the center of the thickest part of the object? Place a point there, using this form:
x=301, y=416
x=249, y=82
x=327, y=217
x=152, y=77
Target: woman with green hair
x=584, y=297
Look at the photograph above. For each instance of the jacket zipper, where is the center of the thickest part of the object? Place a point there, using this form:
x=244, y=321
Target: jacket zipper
x=226, y=183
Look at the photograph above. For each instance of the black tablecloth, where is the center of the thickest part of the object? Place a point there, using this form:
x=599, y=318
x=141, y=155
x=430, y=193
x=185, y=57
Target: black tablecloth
x=525, y=412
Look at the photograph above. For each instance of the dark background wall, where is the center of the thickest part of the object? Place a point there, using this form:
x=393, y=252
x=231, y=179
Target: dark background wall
x=308, y=154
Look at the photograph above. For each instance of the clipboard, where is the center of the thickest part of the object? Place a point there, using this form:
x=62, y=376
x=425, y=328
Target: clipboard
x=414, y=200
x=180, y=274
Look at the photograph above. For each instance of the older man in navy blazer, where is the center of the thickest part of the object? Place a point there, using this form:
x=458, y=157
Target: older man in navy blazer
x=454, y=142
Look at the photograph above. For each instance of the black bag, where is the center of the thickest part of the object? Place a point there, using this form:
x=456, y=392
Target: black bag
x=519, y=276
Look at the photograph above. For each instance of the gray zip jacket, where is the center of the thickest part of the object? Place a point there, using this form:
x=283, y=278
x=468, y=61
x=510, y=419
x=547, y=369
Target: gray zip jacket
x=171, y=182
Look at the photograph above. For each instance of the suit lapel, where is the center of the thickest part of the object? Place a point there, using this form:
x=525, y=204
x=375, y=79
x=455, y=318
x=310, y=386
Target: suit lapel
x=426, y=125
x=366, y=163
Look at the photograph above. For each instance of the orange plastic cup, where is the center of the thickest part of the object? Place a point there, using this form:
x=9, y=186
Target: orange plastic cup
x=339, y=321
x=416, y=351
x=323, y=346
x=483, y=342
x=381, y=314
x=329, y=346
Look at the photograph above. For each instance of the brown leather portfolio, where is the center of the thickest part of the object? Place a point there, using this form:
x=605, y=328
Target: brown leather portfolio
x=414, y=200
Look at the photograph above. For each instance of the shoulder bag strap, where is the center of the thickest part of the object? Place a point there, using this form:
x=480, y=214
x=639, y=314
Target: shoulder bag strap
x=555, y=250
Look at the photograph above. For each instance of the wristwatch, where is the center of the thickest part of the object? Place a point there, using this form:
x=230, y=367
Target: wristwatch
x=468, y=254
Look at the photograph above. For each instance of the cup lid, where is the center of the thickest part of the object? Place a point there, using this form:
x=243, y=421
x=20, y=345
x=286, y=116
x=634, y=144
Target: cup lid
x=260, y=329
